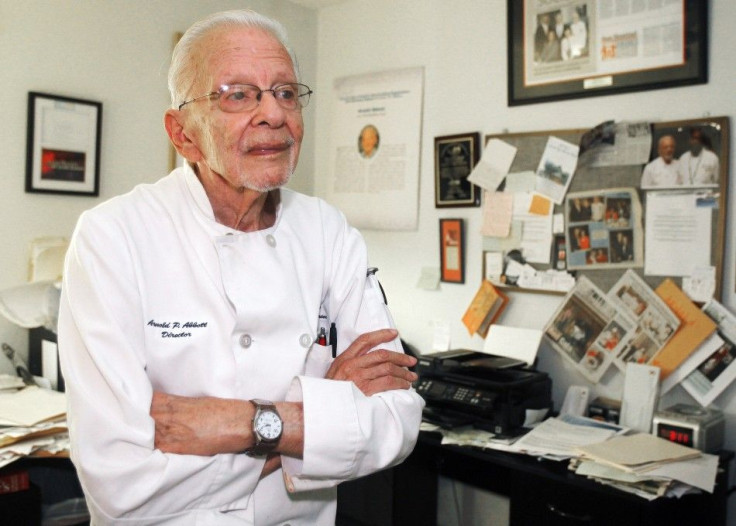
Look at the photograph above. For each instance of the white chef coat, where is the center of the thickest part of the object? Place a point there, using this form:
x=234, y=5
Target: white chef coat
x=661, y=174
x=159, y=296
x=699, y=170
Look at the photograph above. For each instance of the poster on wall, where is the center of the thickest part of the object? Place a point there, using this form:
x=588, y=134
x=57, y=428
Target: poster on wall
x=374, y=148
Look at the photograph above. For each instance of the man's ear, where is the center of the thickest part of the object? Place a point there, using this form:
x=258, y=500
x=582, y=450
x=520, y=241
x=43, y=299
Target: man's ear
x=174, y=124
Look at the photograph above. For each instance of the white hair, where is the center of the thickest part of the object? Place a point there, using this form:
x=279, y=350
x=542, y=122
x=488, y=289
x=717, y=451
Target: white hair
x=185, y=72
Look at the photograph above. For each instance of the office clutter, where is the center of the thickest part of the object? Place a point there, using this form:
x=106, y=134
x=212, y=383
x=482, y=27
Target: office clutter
x=32, y=422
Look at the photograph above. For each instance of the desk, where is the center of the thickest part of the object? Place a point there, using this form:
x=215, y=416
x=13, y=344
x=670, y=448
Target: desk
x=53, y=480
x=540, y=492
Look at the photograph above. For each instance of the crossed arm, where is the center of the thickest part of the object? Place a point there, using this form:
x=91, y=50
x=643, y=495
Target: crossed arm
x=207, y=425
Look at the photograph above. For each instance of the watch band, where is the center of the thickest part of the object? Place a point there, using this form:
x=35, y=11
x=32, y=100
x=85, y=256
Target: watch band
x=262, y=445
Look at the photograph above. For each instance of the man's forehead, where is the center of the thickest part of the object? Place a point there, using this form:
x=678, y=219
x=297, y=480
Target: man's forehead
x=247, y=43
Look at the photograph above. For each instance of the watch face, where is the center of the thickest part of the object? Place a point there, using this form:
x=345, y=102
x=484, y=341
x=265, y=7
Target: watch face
x=268, y=425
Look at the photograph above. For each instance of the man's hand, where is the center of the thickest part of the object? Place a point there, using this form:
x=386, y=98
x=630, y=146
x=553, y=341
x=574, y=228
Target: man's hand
x=377, y=371
x=200, y=426
x=273, y=462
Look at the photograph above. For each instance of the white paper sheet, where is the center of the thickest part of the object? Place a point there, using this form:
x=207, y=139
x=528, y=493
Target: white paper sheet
x=50, y=362
x=513, y=342
x=493, y=266
x=440, y=336
x=494, y=165
x=429, y=279
x=536, y=230
x=555, y=437
x=701, y=284
x=678, y=234
x=31, y=406
x=520, y=182
x=641, y=392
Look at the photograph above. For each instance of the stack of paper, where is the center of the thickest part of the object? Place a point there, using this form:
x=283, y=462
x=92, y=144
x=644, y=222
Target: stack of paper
x=647, y=465
x=557, y=439
x=34, y=420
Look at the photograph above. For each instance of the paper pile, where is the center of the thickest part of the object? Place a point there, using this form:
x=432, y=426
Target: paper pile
x=33, y=420
x=640, y=463
x=647, y=466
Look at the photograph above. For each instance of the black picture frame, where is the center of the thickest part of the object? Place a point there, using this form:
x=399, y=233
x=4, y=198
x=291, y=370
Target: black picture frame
x=455, y=156
x=452, y=250
x=63, y=145
x=595, y=82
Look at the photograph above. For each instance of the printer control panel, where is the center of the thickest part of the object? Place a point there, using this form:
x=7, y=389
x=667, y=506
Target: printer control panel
x=437, y=390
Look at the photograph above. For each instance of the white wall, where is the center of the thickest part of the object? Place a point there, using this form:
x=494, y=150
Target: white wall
x=462, y=46
x=116, y=53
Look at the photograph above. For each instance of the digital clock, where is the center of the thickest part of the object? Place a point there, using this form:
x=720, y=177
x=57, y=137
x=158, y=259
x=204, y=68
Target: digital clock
x=691, y=426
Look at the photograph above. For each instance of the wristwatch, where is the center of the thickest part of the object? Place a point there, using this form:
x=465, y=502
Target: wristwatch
x=267, y=428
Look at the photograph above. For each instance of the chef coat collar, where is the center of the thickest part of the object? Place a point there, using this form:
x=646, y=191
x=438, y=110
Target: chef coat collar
x=196, y=190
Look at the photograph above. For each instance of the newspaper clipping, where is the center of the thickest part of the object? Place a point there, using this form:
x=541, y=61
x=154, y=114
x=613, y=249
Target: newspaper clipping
x=717, y=372
x=604, y=229
x=656, y=322
x=581, y=39
x=582, y=329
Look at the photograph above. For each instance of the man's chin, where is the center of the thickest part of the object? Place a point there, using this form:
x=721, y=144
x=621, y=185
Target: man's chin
x=266, y=184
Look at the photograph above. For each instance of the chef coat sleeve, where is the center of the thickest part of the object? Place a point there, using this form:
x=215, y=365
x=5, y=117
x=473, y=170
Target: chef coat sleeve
x=347, y=434
x=109, y=395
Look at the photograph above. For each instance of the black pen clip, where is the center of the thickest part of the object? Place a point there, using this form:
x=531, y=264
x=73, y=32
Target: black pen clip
x=372, y=272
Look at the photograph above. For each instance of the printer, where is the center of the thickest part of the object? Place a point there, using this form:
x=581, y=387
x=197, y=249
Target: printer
x=463, y=387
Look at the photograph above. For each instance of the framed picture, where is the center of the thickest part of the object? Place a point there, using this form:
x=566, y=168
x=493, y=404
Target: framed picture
x=587, y=48
x=452, y=251
x=455, y=156
x=63, y=145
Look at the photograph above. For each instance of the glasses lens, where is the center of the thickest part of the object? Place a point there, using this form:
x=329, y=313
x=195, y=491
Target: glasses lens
x=244, y=97
x=238, y=97
x=292, y=96
x=304, y=93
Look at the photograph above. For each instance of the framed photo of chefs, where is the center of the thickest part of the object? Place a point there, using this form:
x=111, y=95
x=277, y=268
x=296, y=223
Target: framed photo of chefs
x=584, y=48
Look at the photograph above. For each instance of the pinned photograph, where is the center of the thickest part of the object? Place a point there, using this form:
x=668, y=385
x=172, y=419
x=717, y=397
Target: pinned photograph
x=688, y=155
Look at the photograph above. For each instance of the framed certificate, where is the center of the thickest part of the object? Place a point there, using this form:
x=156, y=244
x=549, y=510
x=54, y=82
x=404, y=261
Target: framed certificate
x=63, y=145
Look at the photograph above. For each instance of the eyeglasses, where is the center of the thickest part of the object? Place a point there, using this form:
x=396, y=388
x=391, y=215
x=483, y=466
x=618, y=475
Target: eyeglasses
x=235, y=98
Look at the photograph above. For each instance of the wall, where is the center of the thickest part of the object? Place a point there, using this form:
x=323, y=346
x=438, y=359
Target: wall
x=116, y=53
x=462, y=46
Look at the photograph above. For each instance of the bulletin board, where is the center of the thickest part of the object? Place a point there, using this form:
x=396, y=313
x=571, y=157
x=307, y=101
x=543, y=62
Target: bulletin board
x=531, y=145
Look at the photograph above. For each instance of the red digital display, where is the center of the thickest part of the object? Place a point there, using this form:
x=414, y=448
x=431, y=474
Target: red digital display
x=680, y=435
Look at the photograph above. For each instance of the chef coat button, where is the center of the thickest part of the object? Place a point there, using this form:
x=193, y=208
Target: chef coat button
x=271, y=240
x=245, y=341
x=305, y=340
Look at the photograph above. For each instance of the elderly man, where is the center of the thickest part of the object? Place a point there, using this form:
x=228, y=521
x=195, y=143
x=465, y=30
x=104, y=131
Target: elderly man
x=195, y=314
x=664, y=170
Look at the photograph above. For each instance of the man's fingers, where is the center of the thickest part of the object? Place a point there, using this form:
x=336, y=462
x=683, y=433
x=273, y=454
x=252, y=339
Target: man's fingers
x=383, y=355
x=369, y=340
x=385, y=383
x=390, y=370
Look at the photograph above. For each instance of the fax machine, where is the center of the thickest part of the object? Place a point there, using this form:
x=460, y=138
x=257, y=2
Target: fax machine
x=464, y=387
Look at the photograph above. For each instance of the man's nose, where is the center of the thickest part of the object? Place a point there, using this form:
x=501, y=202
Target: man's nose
x=269, y=111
